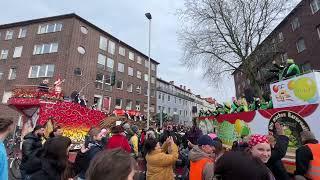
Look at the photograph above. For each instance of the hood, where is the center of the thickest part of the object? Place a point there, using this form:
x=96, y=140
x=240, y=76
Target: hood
x=31, y=136
x=196, y=154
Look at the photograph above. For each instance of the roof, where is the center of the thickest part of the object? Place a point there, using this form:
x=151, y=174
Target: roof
x=66, y=16
x=168, y=83
x=278, y=27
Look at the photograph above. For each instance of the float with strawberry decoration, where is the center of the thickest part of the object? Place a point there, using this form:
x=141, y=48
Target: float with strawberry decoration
x=296, y=108
x=49, y=108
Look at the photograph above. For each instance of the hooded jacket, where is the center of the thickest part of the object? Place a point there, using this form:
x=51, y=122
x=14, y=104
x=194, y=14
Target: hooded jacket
x=160, y=164
x=30, y=147
x=196, y=154
x=41, y=168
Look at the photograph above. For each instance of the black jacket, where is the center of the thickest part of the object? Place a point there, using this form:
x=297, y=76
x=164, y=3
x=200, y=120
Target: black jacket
x=41, y=168
x=30, y=147
x=277, y=153
x=82, y=161
x=303, y=158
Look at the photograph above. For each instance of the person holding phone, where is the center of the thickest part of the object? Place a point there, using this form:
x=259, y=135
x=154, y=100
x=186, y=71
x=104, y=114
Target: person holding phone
x=160, y=160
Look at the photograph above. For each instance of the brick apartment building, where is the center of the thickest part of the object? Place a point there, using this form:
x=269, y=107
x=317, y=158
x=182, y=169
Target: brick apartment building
x=297, y=37
x=76, y=50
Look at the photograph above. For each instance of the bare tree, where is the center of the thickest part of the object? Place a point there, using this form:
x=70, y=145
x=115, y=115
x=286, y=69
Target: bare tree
x=220, y=35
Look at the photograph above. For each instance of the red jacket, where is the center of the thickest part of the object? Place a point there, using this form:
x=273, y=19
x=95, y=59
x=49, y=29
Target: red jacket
x=118, y=141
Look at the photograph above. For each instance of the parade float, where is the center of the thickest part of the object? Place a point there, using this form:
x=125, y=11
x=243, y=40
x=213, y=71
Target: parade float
x=48, y=107
x=296, y=108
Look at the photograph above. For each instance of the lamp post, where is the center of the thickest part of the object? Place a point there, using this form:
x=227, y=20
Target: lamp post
x=148, y=15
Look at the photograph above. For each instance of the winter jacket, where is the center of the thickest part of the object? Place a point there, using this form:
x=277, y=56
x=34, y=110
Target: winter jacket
x=160, y=164
x=30, y=147
x=41, y=168
x=118, y=141
x=196, y=154
x=277, y=153
x=134, y=141
x=83, y=159
x=303, y=158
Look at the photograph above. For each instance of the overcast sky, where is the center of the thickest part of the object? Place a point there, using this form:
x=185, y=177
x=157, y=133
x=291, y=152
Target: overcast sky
x=125, y=20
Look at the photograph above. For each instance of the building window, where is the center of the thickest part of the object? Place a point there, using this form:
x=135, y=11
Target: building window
x=129, y=87
x=295, y=24
x=145, y=90
x=101, y=61
x=159, y=97
x=284, y=57
x=45, y=48
x=138, y=107
x=4, y=54
x=168, y=97
x=103, y=43
x=146, y=63
x=122, y=51
x=49, y=28
x=17, y=52
x=118, y=103
x=22, y=33
x=153, y=93
x=84, y=30
x=99, y=81
x=110, y=64
x=130, y=71
x=301, y=45
x=153, y=67
x=315, y=6
x=120, y=67
x=280, y=36
x=318, y=30
x=12, y=73
x=131, y=56
x=139, y=74
x=139, y=60
x=37, y=71
x=81, y=50
x=77, y=72
x=107, y=78
x=119, y=84
x=306, y=67
x=153, y=80
x=9, y=34
x=138, y=89
x=128, y=104
x=6, y=96
x=112, y=47
x=146, y=77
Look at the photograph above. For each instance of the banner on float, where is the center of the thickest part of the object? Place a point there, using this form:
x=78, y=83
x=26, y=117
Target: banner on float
x=300, y=90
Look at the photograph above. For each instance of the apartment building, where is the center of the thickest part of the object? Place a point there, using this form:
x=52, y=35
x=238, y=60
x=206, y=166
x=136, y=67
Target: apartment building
x=297, y=36
x=179, y=102
x=89, y=59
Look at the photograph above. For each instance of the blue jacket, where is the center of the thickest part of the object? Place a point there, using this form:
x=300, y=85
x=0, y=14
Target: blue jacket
x=3, y=162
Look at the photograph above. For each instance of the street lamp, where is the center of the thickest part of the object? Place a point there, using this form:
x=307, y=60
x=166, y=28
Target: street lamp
x=148, y=15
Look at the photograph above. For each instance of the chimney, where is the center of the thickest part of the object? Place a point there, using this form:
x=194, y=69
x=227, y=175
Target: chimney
x=181, y=86
x=171, y=82
x=184, y=87
x=189, y=90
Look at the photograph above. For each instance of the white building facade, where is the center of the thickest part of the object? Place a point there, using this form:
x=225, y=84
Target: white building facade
x=178, y=102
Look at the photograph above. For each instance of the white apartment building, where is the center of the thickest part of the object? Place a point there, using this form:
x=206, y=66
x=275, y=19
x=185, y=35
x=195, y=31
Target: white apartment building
x=178, y=102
